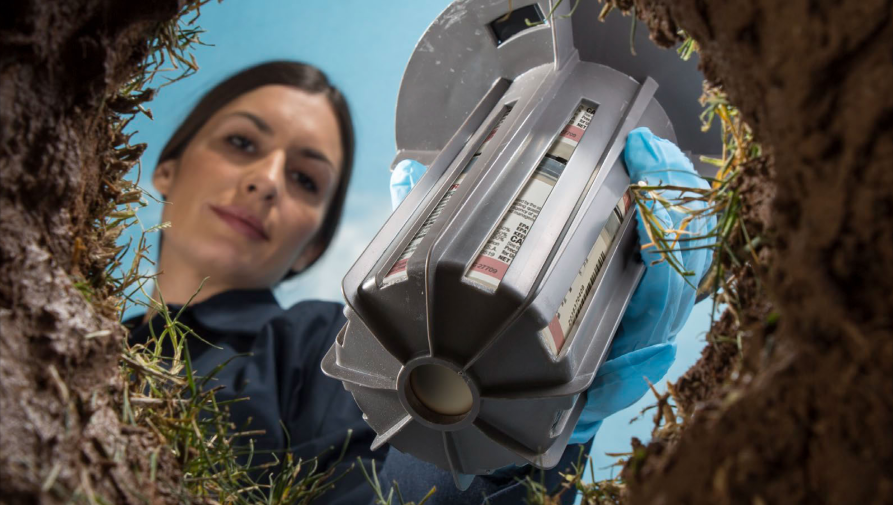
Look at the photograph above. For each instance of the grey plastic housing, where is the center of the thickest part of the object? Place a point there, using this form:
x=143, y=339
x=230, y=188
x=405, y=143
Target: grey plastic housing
x=524, y=398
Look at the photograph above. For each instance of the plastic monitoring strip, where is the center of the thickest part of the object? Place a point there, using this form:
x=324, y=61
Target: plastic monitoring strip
x=498, y=252
x=565, y=318
x=397, y=273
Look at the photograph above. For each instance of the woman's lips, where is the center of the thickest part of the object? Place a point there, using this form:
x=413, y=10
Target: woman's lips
x=241, y=221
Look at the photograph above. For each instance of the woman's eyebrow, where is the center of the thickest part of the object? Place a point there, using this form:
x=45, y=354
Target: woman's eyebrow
x=311, y=153
x=260, y=123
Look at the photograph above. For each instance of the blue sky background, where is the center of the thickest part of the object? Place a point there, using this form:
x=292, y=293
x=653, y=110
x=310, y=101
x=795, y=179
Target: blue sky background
x=363, y=46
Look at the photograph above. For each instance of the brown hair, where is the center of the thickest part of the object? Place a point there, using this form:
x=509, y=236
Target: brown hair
x=288, y=73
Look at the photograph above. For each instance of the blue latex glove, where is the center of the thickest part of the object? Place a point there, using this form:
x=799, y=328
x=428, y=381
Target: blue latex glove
x=644, y=346
x=406, y=174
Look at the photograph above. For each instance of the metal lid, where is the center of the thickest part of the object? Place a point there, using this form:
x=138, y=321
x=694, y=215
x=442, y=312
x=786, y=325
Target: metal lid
x=459, y=57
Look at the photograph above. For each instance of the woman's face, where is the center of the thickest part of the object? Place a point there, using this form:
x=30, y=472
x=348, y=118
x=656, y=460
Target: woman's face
x=252, y=188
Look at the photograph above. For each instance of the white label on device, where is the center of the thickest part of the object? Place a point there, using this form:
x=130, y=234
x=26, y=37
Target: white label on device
x=498, y=253
x=556, y=333
x=397, y=272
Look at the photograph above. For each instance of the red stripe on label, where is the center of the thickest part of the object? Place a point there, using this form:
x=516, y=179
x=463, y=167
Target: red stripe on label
x=490, y=267
x=572, y=132
x=398, y=267
x=557, y=334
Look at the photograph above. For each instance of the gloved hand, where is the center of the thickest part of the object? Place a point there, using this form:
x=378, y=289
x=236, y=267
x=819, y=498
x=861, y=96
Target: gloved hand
x=644, y=345
x=406, y=174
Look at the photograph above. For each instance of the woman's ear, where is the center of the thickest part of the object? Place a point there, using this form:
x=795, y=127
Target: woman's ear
x=311, y=253
x=163, y=176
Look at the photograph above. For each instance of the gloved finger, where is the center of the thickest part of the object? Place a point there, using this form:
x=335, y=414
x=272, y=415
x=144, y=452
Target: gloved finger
x=659, y=161
x=621, y=382
x=584, y=431
x=654, y=305
x=696, y=256
x=405, y=175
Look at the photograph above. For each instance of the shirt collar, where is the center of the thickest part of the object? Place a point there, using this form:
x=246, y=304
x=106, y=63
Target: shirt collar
x=241, y=310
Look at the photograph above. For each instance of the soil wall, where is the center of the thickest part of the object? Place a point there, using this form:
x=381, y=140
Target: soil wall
x=60, y=388
x=807, y=417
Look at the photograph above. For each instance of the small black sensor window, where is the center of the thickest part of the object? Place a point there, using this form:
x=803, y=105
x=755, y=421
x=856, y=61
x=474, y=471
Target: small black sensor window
x=515, y=22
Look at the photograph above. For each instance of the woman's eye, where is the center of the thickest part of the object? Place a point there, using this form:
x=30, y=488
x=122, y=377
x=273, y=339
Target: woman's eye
x=241, y=143
x=303, y=180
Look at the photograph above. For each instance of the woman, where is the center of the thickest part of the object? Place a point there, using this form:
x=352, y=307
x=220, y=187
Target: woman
x=256, y=178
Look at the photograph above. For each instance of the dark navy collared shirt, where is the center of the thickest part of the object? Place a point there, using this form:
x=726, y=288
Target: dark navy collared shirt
x=275, y=362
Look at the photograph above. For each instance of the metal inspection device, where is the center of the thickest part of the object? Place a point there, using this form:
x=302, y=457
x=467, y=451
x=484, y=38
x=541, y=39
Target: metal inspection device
x=484, y=306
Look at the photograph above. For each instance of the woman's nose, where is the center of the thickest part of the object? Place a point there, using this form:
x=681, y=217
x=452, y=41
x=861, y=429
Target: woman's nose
x=264, y=177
